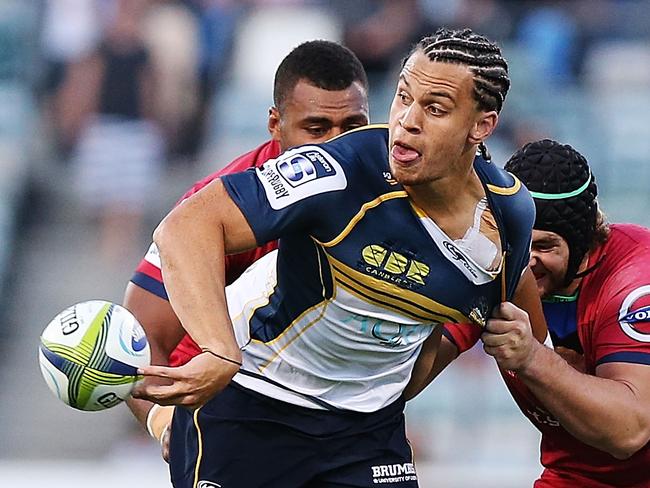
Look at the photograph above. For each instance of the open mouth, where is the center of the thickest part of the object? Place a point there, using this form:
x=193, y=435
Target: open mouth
x=403, y=153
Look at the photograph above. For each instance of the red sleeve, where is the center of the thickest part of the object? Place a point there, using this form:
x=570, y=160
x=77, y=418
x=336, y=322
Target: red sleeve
x=147, y=274
x=464, y=336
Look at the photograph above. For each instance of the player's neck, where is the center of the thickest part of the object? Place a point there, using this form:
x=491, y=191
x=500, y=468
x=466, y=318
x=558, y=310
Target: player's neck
x=450, y=201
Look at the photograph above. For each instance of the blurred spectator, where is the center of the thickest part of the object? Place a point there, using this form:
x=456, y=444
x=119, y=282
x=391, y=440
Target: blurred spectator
x=172, y=36
x=550, y=35
x=380, y=32
x=106, y=113
x=70, y=31
x=216, y=24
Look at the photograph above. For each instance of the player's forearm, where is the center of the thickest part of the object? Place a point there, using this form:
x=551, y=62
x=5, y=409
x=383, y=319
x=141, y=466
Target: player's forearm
x=601, y=412
x=192, y=252
x=140, y=409
x=436, y=353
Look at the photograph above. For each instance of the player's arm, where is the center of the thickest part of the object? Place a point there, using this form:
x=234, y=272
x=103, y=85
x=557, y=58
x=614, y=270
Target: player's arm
x=458, y=338
x=164, y=331
x=193, y=240
x=436, y=354
x=609, y=411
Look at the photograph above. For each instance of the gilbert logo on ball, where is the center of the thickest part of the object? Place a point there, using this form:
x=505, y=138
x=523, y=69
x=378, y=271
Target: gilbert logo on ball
x=90, y=352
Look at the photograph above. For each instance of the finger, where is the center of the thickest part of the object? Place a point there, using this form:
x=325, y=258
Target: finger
x=506, y=311
x=495, y=352
x=500, y=326
x=161, y=394
x=161, y=372
x=494, y=340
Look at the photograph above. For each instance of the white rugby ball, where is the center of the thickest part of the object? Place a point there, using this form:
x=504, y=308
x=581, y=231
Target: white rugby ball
x=90, y=352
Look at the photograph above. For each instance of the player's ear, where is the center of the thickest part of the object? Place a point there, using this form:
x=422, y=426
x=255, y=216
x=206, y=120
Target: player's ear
x=274, y=123
x=483, y=127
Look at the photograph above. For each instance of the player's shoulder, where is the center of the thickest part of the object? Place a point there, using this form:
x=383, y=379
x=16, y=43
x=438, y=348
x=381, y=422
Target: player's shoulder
x=268, y=150
x=624, y=255
x=507, y=195
x=634, y=236
x=363, y=143
x=498, y=181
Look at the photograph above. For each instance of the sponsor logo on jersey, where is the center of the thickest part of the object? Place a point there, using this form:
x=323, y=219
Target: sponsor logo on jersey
x=300, y=173
x=634, y=315
x=458, y=256
x=388, y=265
x=541, y=416
x=393, y=473
x=305, y=167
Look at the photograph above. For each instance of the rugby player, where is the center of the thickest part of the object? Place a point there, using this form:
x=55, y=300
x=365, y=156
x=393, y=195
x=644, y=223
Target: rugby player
x=590, y=397
x=385, y=233
x=320, y=90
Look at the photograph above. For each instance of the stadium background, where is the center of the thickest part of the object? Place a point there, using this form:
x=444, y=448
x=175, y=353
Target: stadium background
x=580, y=73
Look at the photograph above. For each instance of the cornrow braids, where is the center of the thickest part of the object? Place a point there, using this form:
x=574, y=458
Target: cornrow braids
x=482, y=56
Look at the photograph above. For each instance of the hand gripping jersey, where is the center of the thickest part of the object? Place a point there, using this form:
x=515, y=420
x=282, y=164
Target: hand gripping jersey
x=609, y=322
x=336, y=317
x=149, y=276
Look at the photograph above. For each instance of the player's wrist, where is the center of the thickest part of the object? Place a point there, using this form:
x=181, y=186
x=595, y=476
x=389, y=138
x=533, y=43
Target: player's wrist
x=159, y=419
x=532, y=366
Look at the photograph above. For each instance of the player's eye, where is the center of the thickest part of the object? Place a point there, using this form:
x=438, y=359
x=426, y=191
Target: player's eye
x=545, y=247
x=404, y=97
x=317, y=131
x=435, y=110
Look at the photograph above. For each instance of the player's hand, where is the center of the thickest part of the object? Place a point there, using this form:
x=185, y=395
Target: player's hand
x=190, y=385
x=508, y=337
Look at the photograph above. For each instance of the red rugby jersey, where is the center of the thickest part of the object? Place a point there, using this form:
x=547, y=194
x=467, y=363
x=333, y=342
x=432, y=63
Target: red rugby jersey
x=613, y=325
x=148, y=274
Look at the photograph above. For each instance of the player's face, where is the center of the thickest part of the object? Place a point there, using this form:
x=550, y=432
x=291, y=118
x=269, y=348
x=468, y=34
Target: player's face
x=435, y=123
x=549, y=261
x=314, y=115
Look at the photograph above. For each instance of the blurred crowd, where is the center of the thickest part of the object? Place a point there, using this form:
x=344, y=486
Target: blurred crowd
x=126, y=92
x=128, y=88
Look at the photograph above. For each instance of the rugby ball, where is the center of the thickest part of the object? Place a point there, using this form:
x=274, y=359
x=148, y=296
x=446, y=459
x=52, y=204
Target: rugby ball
x=90, y=352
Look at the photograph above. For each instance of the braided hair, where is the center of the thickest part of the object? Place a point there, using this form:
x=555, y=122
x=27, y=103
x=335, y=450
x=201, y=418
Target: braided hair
x=482, y=56
x=564, y=189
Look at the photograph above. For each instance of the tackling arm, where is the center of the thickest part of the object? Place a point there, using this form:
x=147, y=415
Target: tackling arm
x=164, y=331
x=609, y=411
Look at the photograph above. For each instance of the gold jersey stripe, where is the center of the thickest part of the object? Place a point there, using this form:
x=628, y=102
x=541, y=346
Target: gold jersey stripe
x=365, y=296
x=288, y=328
x=361, y=213
x=387, y=292
x=500, y=190
x=199, y=454
x=277, y=353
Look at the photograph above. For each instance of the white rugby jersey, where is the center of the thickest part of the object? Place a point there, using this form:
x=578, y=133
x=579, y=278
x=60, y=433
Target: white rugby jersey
x=336, y=317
